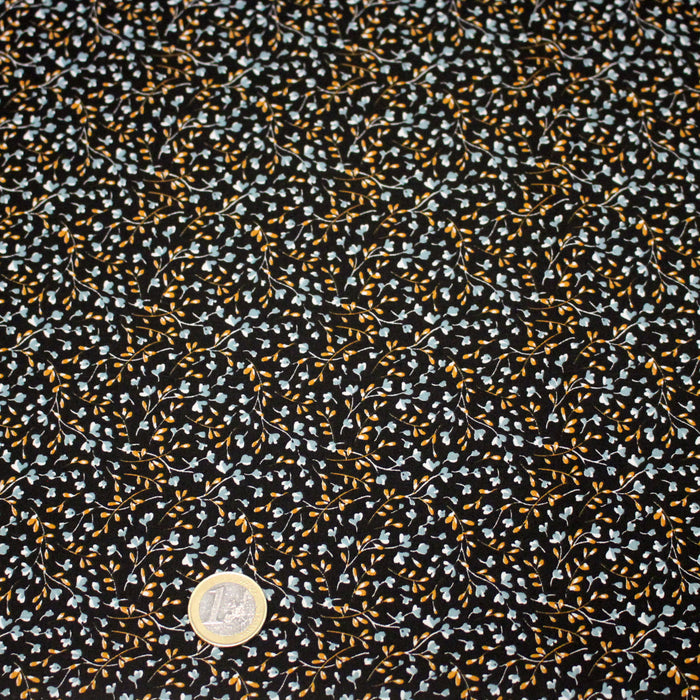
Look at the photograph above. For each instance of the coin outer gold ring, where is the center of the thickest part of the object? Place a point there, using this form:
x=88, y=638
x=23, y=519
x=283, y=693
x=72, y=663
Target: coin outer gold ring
x=227, y=640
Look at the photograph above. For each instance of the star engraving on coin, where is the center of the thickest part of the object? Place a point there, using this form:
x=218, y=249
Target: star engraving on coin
x=227, y=609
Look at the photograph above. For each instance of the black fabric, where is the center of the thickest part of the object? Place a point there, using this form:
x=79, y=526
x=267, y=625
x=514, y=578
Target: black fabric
x=391, y=306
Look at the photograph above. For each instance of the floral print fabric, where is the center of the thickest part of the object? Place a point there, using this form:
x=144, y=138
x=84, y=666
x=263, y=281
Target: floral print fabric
x=389, y=305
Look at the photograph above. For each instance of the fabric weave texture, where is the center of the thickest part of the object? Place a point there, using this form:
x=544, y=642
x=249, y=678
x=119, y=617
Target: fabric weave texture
x=389, y=305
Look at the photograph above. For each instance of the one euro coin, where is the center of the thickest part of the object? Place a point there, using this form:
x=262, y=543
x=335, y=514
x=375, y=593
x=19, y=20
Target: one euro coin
x=227, y=609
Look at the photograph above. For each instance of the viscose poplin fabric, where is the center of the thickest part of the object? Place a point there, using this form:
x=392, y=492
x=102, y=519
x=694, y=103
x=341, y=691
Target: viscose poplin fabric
x=391, y=306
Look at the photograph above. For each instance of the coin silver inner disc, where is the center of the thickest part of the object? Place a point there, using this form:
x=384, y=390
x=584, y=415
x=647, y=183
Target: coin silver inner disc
x=227, y=608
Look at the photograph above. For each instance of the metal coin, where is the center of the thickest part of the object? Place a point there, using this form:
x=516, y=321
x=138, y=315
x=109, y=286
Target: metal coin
x=227, y=609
